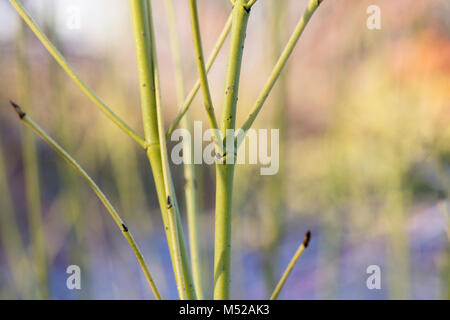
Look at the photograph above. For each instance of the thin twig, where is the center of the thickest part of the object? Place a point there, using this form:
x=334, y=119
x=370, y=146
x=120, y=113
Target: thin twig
x=190, y=97
x=291, y=265
x=144, y=56
x=311, y=8
x=190, y=170
x=196, y=35
x=117, y=219
x=250, y=4
x=75, y=77
x=172, y=205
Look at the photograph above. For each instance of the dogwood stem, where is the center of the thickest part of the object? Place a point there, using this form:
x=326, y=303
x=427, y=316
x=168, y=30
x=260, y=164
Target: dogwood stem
x=75, y=77
x=310, y=9
x=190, y=171
x=141, y=20
x=190, y=97
x=117, y=219
x=225, y=172
x=291, y=265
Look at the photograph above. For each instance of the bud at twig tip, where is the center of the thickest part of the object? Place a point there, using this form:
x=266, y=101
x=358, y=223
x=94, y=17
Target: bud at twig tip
x=306, y=239
x=18, y=109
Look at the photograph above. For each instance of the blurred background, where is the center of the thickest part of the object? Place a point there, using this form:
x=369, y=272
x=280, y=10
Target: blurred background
x=364, y=119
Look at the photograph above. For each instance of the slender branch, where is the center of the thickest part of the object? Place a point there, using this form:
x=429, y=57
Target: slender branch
x=311, y=8
x=291, y=265
x=71, y=72
x=196, y=35
x=190, y=171
x=232, y=77
x=117, y=219
x=142, y=34
x=250, y=4
x=172, y=205
x=225, y=172
x=190, y=97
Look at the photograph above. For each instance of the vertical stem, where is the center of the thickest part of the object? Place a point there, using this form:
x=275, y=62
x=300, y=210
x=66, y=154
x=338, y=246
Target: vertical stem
x=31, y=174
x=140, y=12
x=222, y=240
x=172, y=205
x=202, y=73
x=190, y=172
x=225, y=172
x=186, y=266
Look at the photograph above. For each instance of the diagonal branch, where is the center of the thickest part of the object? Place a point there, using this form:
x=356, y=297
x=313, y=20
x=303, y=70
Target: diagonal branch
x=291, y=265
x=75, y=77
x=190, y=97
x=311, y=8
x=250, y=4
x=117, y=219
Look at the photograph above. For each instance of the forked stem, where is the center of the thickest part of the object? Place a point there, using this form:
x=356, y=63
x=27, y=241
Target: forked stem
x=141, y=15
x=310, y=9
x=75, y=77
x=190, y=97
x=250, y=4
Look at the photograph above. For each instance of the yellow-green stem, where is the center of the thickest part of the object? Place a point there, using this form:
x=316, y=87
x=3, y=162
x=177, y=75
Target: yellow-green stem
x=190, y=97
x=225, y=172
x=75, y=77
x=140, y=13
x=117, y=219
x=190, y=171
x=172, y=203
x=202, y=73
x=290, y=266
x=310, y=9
